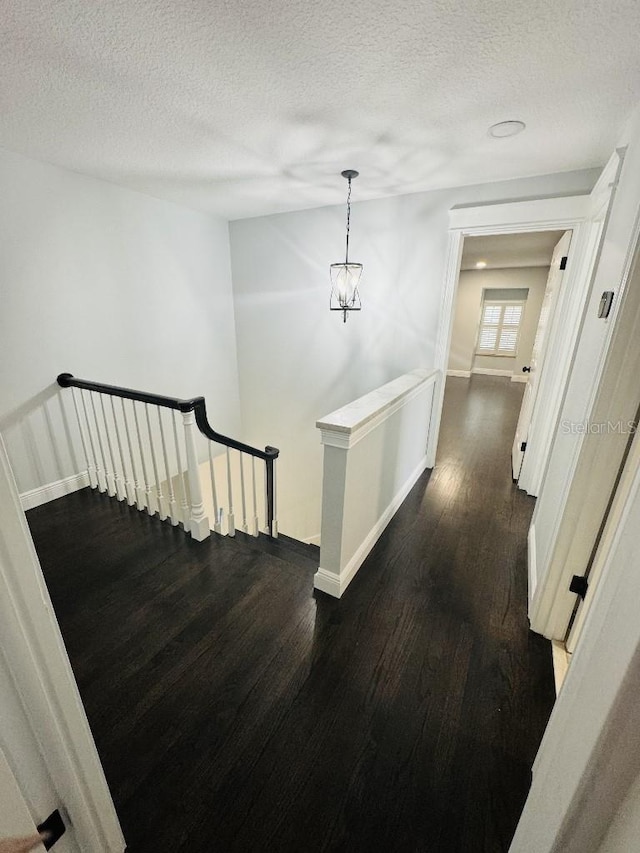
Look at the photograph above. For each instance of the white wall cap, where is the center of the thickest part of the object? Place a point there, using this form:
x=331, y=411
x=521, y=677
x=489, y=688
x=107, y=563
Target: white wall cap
x=346, y=426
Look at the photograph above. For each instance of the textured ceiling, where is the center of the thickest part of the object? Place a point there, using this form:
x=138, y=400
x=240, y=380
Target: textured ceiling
x=510, y=250
x=242, y=107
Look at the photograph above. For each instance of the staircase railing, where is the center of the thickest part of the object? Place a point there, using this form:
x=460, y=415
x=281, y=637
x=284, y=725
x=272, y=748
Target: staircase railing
x=134, y=453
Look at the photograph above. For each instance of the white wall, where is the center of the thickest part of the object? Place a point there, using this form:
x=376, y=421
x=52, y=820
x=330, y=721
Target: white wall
x=110, y=285
x=468, y=309
x=624, y=832
x=297, y=360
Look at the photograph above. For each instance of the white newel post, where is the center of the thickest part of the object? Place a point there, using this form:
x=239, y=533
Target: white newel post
x=274, y=522
x=198, y=521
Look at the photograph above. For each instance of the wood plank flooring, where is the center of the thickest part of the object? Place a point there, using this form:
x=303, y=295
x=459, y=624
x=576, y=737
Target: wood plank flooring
x=236, y=711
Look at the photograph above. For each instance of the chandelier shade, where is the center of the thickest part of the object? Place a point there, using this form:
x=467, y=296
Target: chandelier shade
x=344, y=287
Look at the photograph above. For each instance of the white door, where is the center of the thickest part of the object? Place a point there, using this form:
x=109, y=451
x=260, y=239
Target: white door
x=556, y=273
x=44, y=733
x=15, y=818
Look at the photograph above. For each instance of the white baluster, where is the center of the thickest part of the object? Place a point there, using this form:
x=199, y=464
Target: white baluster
x=173, y=506
x=115, y=478
x=199, y=523
x=184, y=504
x=101, y=473
x=266, y=500
x=245, y=527
x=91, y=471
x=255, y=526
x=231, y=526
x=125, y=482
x=162, y=510
x=214, y=493
x=107, y=456
x=137, y=489
x=96, y=461
x=147, y=483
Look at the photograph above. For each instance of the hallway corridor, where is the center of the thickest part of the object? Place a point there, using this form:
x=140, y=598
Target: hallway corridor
x=234, y=711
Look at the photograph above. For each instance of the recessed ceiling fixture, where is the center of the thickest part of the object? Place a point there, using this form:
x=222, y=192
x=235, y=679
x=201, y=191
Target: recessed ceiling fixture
x=346, y=276
x=481, y=265
x=506, y=128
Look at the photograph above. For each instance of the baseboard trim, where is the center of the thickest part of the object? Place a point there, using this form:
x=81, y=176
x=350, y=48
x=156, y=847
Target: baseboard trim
x=489, y=371
x=312, y=540
x=51, y=491
x=517, y=378
x=328, y=582
x=335, y=584
x=463, y=374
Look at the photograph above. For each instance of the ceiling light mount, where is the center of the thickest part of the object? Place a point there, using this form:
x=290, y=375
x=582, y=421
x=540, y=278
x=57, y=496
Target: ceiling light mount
x=345, y=277
x=503, y=129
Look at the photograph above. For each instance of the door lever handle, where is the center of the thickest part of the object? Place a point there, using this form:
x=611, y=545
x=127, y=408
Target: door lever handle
x=526, y=370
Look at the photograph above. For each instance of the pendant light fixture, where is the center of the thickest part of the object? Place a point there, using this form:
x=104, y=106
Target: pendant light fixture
x=346, y=276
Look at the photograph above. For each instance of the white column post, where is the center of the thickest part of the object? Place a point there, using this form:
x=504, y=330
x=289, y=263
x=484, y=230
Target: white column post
x=198, y=522
x=274, y=523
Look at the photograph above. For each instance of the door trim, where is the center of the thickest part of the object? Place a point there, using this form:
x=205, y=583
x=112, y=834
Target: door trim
x=588, y=481
x=35, y=654
x=550, y=214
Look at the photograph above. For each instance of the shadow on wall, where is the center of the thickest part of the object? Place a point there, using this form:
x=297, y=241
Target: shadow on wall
x=42, y=440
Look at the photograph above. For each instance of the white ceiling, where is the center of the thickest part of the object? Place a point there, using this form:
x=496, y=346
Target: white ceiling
x=243, y=107
x=510, y=250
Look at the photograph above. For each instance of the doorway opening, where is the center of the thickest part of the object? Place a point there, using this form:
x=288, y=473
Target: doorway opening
x=505, y=306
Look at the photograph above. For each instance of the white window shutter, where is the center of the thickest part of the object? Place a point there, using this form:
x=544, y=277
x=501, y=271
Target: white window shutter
x=500, y=328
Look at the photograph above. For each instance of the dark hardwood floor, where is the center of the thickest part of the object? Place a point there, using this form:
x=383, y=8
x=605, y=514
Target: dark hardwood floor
x=236, y=711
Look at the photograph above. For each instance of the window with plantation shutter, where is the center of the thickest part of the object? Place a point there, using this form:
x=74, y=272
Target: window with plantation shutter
x=499, y=328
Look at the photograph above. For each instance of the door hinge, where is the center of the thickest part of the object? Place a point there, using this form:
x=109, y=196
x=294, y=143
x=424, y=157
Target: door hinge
x=523, y=446
x=579, y=585
x=563, y=262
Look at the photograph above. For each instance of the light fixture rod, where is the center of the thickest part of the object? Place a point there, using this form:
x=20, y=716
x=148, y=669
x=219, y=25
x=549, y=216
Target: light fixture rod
x=349, y=174
x=346, y=256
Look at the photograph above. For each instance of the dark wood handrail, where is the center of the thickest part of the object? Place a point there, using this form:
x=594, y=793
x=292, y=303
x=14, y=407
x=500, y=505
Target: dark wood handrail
x=195, y=404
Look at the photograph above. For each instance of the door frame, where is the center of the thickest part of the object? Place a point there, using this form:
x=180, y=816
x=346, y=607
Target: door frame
x=589, y=480
x=563, y=213
x=35, y=654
